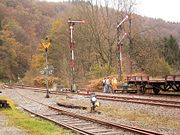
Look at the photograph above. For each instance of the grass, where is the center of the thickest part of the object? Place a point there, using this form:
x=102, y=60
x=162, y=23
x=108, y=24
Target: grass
x=31, y=125
x=141, y=116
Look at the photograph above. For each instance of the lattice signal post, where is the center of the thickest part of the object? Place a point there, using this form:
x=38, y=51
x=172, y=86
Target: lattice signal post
x=119, y=45
x=72, y=44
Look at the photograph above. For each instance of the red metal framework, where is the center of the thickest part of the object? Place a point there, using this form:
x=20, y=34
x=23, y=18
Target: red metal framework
x=72, y=45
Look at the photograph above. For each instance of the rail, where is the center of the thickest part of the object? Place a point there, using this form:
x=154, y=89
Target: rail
x=80, y=123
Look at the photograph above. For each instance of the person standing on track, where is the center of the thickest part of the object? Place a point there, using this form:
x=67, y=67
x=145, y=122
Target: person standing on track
x=108, y=85
x=114, y=84
x=103, y=84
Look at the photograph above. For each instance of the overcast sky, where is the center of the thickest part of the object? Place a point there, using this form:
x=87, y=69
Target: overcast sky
x=168, y=10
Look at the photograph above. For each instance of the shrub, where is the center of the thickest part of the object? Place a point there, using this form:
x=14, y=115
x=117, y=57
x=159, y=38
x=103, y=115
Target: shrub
x=40, y=81
x=97, y=71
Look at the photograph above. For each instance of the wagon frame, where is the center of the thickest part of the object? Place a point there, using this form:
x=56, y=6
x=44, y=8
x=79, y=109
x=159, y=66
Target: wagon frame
x=168, y=83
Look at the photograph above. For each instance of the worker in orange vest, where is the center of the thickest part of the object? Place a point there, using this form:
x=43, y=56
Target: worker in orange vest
x=114, y=83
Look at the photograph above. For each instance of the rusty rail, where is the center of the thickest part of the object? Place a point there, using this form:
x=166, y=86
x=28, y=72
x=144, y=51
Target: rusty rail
x=73, y=123
x=165, y=103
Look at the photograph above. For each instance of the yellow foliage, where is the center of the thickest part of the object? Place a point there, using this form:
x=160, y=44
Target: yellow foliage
x=55, y=25
x=37, y=61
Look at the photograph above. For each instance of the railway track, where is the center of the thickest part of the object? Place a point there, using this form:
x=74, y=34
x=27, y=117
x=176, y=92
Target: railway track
x=155, y=102
x=80, y=123
x=145, y=101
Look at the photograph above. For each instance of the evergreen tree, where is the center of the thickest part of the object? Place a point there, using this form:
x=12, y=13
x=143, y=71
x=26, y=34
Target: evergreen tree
x=172, y=52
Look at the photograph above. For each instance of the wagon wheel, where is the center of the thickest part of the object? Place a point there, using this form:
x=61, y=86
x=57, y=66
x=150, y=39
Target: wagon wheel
x=156, y=90
x=143, y=89
x=178, y=87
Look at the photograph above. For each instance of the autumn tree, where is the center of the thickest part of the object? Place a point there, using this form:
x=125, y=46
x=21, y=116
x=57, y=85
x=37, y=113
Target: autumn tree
x=24, y=23
x=148, y=58
x=99, y=34
x=59, y=52
x=13, y=62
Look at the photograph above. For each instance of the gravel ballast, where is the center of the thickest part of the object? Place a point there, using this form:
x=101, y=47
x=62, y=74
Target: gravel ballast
x=137, y=109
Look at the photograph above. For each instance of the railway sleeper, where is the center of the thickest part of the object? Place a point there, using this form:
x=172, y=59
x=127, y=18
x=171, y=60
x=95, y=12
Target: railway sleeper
x=110, y=133
x=99, y=131
x=88, y=128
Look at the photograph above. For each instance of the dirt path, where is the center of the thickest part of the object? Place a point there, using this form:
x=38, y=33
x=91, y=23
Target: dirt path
x=6, y=129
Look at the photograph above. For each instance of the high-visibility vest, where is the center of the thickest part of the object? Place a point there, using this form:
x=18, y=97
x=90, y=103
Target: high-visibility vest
x=114, y=81
x=114, y=84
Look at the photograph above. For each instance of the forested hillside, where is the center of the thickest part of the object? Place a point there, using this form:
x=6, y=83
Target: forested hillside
x=151, y=47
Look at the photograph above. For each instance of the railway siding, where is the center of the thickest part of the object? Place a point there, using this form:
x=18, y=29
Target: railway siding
x=54, y=98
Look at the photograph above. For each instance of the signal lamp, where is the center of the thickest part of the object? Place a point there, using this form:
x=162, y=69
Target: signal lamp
x=94, y=102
